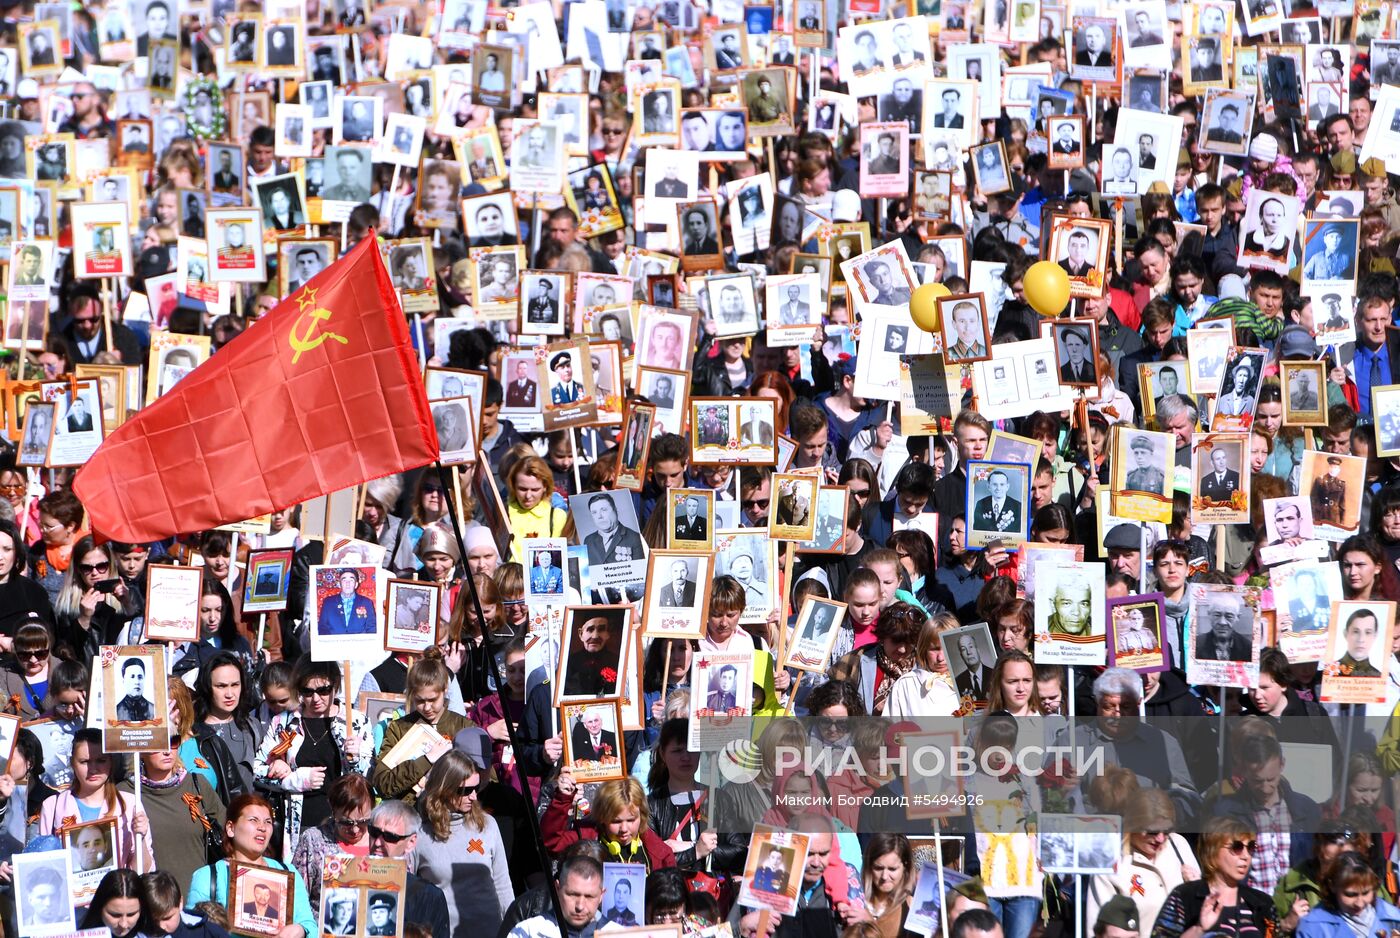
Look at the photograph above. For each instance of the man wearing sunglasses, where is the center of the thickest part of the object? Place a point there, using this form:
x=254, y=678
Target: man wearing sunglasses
x=393, y=832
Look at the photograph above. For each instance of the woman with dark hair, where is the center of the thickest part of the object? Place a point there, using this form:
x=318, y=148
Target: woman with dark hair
x=20, y=597
x=676, y=802
x=218, y=631
x=508, y=703
x=27, y=769
x=223, y=701
x=94, y=796
x=247, y=831
x=1385, y=521
x=1365, y=573
x=1300, y=889
x=874, y=668
x=860, y=480
x=888, y=878
x=915, y=550
x=26, y=681
x=60, y=520
x=1351, y=903
x=345, y=831
x=1013, y=626
x=304, y=751
x=171, y=794
x=116, y=905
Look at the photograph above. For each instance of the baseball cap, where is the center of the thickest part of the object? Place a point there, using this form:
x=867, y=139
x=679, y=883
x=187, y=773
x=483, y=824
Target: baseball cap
x=845, y=205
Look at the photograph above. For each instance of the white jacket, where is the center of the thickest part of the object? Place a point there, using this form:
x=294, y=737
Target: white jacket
x=1146, y=882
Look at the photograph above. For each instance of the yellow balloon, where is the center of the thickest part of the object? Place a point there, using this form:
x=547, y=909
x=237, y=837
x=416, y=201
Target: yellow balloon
x=923, y=305
x=1047, y=288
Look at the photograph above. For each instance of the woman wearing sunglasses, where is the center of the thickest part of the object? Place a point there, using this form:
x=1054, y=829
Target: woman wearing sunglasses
x=345, y=831
x=1219, y=902
x=1155, y=861
x=1351, y=904
x=458, y=839
x=305, y=751
x=26, y=682
x=20, y=597
x=91, y=607
x=247, y=833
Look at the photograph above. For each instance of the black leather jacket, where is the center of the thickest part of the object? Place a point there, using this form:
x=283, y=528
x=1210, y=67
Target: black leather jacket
x=666, y=816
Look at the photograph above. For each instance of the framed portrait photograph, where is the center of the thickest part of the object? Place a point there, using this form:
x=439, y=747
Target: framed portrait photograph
x=678, y=593
x=592, y=735
x=101, y=240
x=690, y=519
x=1220, y=470
x=1076, y=352
x=721, y=689
x=1268, y=230
x=702, y=239
x=794, y=513
x=997, y=507
x=725, y=430
x=455, y=424
x=92, y=854
x=639, y=421
x=1356, y=664
x=259, y=899
x=1334, y=484
x=493, y=75
x=566, y=369
x=971, y=654
x=365, y=897
x=773, y=870
x=750, y=556
x=496, y=280
x=172, y=602
x=768, y=95
x=235, y=245
x=1206, y=351
x=1095, y=49
x=1079, y=844
x=1136, y=637
x=1304, y=402
x=989, y=168
x=1330, y=252
x=284, y=46
x=793, y=305
x=1226, y=634
x=77, y=421
x=1080, y=247
x=544, y=558
x=606, y=525
x=658, y=104
x=380, y=707
x=814, y=635
x=733, y=305
x=884, y=159
x=967, y=337
x=1070, y=615
x=592, y=194
x=537, y=157
x=593, y=653
x=1143, y=471
x=267, y=580
x=31, y=270
x=37, y=434
x=43, y=887
x=544, y=297
x=1228, y=122
x=301, y=259
x=1385, y=404
x=344, y=607
x=1239, y=389
x=133, y=680
x=1066, y=135
x=720, y=133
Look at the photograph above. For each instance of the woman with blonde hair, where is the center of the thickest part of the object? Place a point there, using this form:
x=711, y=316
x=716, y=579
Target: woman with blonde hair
x=510, y=586
x=888, y=879
x=926, y=689
x=426, y=696
x=458, y=839
x=1155, y=858
x=619, y=821
x=530, y=510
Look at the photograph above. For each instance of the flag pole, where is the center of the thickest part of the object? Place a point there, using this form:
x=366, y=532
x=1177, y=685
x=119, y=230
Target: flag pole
x=511, y=729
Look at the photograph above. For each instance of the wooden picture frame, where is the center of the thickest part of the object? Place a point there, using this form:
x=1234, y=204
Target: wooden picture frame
x=243, y=880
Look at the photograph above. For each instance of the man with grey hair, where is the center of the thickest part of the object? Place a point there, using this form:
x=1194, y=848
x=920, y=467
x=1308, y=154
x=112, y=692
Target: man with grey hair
x=1176, y=414
x=393, y=832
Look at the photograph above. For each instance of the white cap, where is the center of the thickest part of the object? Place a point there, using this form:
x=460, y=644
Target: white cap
x=845, y=205
x=27, y=88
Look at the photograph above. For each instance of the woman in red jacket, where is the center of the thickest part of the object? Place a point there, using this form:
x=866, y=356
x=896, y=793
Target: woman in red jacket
x=619, y=821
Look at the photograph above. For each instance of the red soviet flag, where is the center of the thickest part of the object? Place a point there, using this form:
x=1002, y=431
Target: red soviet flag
x=322, y=393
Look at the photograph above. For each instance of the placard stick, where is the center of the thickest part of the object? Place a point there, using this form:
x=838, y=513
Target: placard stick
x=573, y=448
x=23, y=335
x=938, y=859
x=140, y=838
x=106, y=311
x=1220, y=759
x=792, y=694
x=665, y=676
x=262, y=633
x=393, y=200
x=781, y=642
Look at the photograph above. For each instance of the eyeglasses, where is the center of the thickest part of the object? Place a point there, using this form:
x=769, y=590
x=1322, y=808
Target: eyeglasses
x=323, y=690
x=464, y=790
x=12, y=487
x=1238, y=847
x=38, y=654
x=669, y=916
x=349, y=822
x=379, y=833
x=102, y=567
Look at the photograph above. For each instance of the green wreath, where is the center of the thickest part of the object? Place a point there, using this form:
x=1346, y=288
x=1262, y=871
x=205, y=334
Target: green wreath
x=218, y=120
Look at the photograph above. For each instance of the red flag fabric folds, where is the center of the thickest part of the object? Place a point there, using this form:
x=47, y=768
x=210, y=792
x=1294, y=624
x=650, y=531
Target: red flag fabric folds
x=322, y=393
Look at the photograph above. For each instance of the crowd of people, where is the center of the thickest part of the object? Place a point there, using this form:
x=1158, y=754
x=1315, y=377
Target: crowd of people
x=1166, y=532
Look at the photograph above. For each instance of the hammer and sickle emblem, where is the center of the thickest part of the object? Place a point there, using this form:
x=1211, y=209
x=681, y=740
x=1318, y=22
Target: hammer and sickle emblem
x=311, y=335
